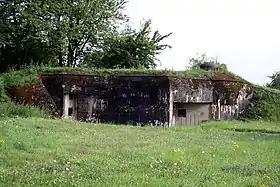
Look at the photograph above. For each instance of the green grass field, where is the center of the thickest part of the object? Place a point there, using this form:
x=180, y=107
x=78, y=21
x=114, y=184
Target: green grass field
x=45, y=152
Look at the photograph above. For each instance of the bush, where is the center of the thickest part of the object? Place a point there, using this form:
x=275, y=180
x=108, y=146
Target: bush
x=265, y=105
x=14, y=110
x=3, y=96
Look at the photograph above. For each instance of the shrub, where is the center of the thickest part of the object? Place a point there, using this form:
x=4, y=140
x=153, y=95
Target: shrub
x=3, y=96
x=265, y=105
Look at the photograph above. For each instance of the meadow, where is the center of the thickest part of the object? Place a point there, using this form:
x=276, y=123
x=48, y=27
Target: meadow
x=37, y=151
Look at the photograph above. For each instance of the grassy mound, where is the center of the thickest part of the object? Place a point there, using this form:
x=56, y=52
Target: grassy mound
x=11, y=109
x=265, y=105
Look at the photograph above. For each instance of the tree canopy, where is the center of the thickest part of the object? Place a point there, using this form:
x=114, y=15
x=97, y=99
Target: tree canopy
x=131, y=49
x=71, y=33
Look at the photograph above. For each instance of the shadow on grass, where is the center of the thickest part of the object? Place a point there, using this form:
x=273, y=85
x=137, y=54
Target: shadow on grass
x=255, y=134
x=244, y=169
x=264, y=131
x=258, y=137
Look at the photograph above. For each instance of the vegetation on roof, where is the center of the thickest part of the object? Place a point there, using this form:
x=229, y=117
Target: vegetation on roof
x=30, y=73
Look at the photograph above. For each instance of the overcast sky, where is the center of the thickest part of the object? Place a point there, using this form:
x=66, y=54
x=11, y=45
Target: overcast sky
x=244, y=34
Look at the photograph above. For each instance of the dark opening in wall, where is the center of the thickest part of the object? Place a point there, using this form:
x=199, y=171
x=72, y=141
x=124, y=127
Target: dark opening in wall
x=71, y=96
x=70, y=111
x=182, y=113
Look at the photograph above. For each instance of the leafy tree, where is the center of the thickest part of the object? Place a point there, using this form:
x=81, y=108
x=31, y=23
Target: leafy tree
x=195, y=62
x=57, y=31
x=275, y=80
x=130, y=49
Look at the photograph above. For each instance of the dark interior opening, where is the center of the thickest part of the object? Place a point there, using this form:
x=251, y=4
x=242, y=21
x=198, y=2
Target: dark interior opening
x=70, y=111
x=182, y=113
x=71, y=96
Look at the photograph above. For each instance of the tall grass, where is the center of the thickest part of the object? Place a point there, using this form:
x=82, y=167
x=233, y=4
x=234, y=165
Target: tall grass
x=19, y=110
x=3, y=96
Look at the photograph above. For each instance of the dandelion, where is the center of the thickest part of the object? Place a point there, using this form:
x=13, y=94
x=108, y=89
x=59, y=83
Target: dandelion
x=235, y=145
x=2, y=141
x=266, y=176
x=203, y=152
x=175, y=164
x=151, y=166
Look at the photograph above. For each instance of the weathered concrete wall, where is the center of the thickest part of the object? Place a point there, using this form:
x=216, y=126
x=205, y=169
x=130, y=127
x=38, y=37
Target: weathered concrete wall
x=230, y=99
x=121, y=99
x=53, y=88
x=188, y=90
x=227, y=98
x=142, y=99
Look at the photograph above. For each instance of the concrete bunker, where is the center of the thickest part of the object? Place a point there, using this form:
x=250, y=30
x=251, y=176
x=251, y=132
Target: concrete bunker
x=138, y=99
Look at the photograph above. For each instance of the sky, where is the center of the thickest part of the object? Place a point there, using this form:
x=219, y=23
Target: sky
x=244, y=34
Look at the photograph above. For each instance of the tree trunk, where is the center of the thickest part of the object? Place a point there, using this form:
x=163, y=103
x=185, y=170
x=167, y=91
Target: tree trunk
x=70, y=56
x=60, y=59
